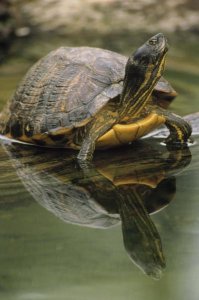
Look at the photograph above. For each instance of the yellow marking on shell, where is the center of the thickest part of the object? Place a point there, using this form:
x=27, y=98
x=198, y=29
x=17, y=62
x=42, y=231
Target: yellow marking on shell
x=42, y=137
x=26, y=139
x=126, y=133
x=82, y=122
x=60, y=130
x=22, y=138
x=37, y=137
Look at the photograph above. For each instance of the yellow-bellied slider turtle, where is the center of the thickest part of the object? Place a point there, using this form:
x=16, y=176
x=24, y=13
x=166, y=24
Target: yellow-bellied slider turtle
x=81, y=98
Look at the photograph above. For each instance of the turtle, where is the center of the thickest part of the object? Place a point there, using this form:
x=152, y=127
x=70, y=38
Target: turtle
x=88, y=98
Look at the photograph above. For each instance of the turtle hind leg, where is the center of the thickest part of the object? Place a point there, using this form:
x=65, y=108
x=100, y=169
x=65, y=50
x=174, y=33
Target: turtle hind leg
x=180, y=130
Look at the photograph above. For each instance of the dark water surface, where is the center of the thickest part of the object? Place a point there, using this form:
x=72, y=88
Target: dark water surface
x=106, y=233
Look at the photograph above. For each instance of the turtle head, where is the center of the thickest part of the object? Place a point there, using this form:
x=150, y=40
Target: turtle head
x=143, y=70
x=149, y=59
x=151, y=53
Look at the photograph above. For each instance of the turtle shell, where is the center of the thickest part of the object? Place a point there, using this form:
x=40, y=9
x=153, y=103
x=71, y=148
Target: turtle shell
x=66, y=88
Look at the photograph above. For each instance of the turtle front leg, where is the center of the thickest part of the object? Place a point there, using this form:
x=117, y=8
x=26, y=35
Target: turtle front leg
x=87, y=149
x=180, y=130
x=98, y=126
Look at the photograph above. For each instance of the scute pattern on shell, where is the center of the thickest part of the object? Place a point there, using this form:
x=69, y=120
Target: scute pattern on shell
x=66, y=88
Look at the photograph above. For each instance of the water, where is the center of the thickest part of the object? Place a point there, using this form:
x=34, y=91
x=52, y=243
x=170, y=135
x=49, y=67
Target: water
x=61, y=235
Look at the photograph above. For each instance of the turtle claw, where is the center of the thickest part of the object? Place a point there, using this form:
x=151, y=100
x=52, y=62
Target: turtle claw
x=173, y=142
x=175, y=145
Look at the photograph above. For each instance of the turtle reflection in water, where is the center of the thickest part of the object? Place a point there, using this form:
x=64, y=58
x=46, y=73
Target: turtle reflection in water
x=126, y=186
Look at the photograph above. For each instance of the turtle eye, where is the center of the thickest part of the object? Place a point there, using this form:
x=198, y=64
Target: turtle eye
x=153, y=41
